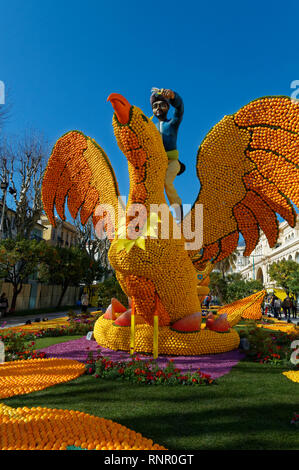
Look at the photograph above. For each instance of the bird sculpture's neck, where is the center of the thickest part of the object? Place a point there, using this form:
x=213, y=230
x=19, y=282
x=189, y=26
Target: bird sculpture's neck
x=146, y=186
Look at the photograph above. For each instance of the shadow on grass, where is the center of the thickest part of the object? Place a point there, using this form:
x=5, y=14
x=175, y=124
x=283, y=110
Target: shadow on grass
x=249, y=409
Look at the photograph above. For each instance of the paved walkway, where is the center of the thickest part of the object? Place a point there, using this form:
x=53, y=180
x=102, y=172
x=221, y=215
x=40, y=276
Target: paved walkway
x=10, y=321
x=282, y=318
x=21, y=320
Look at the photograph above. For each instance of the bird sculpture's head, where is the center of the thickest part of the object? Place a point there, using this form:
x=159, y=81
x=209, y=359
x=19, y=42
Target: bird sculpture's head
x=138, y=137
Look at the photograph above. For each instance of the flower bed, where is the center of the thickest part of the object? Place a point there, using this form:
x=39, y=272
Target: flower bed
x=268, y=346
x=57, y=325
x=295, y=420
x=19, y=346
x=19, y=341
x=216, y=365
x=145, y=372
x=277, y=325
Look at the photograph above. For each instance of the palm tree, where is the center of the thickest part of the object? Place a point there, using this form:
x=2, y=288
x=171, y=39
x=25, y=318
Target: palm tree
x=227, y=263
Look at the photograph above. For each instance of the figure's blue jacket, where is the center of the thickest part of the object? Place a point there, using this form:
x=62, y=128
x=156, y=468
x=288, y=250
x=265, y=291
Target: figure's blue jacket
x=169, y=128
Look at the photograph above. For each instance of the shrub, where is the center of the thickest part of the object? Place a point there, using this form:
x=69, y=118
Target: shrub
x=108, y=289
x=19, y=346
x=267, y=346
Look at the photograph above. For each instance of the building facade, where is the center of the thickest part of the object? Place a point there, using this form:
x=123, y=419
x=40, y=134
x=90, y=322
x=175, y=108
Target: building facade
x=35, y=295
x=256, y=265
x=64, y=234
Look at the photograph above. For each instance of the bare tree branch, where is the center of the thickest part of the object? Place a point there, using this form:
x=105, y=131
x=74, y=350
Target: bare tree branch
x=22, y=164
x=96, y=248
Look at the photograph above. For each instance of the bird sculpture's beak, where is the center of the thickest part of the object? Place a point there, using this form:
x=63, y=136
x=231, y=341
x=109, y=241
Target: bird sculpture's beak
x=121, y=107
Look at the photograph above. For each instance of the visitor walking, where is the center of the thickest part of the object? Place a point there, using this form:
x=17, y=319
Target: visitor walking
x=271, y=302
x=207, y=301
x=3, y=304
x=286, y=306
x=294, y=306
x=277, y=307
x=84, y=302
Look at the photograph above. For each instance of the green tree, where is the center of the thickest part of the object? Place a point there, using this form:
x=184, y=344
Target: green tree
x=240, y=288
x=65, y=267
x=283, y=272
x=227, y=263
x=18, y=260
x=232, y=287
x=218, y=285
x=108, y=289
x=293, y=282
x=94, y=272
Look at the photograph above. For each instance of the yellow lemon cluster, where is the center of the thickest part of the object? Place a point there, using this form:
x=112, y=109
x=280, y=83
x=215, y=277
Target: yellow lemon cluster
x=288, y=328
x=21, y=377
x=249, y=307
x=56, y=429
x=251, y=157
x=273, y=123
x=80, y=170
x=293, y=375
x=34, y=327
x=170, y=342
x=272, y=111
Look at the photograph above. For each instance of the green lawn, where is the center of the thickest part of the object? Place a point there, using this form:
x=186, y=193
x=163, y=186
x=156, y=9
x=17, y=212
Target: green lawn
x=41, y=343
x=248, y=409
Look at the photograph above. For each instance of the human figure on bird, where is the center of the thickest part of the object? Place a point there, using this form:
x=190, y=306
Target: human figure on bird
x=160, y=101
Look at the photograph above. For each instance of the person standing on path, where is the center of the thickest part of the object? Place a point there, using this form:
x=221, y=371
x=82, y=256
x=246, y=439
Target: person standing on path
x=277, y=307
x=84, y=302
x=287, y=305
x=3, y=305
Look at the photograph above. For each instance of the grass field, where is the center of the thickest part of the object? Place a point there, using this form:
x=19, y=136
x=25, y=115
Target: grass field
x=248, y=409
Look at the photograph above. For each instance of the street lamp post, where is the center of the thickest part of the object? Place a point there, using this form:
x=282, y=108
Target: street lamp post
x=252, y=256
x=3, y=186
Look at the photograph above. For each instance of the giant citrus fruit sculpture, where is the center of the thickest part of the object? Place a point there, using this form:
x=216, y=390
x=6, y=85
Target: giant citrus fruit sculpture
x=248, y=170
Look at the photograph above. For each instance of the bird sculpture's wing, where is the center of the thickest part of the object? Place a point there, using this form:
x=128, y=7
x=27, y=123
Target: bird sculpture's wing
x=248, y=169
x=80, y=171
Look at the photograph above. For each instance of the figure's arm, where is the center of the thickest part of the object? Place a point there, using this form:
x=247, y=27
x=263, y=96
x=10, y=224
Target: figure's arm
x=176, y=101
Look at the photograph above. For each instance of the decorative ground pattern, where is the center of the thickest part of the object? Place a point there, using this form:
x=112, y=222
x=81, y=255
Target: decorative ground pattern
x=293, y=375
x=56, y=429
x=215, y=365
x=31, y=375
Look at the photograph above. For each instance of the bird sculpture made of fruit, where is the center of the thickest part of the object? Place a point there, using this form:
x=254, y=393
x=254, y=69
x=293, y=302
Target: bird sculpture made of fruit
x=248, y=170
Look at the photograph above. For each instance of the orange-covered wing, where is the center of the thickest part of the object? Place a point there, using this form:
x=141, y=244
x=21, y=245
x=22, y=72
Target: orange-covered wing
x=248, y=170
x=80, y=171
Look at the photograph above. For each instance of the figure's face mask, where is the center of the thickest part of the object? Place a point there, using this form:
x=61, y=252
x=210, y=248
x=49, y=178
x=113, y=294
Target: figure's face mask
x=160, y=109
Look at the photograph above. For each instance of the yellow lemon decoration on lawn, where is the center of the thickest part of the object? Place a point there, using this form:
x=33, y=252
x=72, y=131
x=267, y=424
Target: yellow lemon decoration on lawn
x=21, y=377
x=56, y=429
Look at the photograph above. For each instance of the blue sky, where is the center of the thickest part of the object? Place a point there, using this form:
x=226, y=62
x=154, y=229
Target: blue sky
x=61, y=59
